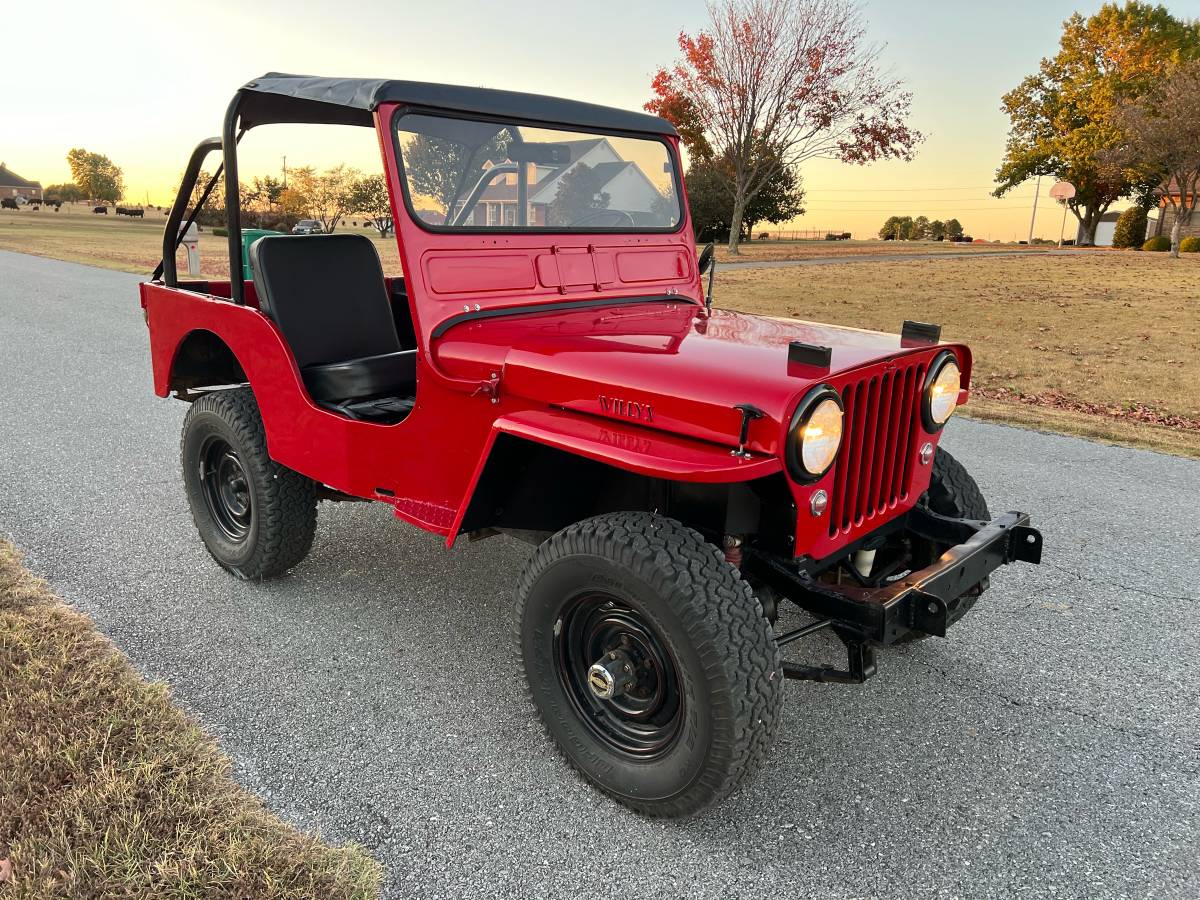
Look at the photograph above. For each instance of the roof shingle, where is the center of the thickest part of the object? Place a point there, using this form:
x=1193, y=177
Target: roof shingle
x=9, y=178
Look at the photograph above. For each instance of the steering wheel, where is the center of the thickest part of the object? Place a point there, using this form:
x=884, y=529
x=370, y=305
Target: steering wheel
x=617, y=214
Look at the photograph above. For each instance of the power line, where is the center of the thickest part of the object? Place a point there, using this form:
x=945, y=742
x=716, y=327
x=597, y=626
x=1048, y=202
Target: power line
x=894, y=209
x=966, y=187
x=947, y=200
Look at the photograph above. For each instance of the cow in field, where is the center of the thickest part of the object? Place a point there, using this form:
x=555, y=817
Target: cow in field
x=8, y=203
x=129, y=211
x=101, y=210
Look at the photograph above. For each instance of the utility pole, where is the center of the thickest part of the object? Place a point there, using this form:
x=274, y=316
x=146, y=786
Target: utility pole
x=1033, y=216
x=285, y=171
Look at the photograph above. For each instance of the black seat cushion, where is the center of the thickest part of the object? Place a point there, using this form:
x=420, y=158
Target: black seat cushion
x=388, y=374
x=327, y=294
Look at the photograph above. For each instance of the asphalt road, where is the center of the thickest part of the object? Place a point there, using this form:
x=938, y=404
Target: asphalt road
x=1049, y=747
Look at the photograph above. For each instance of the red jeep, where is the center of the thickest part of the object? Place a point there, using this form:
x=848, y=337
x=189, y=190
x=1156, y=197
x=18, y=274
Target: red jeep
x=550, y=368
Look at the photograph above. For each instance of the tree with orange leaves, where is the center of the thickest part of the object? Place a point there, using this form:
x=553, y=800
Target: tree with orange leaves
x=773, y=83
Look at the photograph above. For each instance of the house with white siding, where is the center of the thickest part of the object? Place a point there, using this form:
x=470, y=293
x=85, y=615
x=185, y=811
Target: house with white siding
x=627, y=186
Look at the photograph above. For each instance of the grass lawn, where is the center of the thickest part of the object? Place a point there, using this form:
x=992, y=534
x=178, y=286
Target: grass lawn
x=751, y=251
x=1103, y=345
x=1106, y=345
x=76, y=234
x=108, y=790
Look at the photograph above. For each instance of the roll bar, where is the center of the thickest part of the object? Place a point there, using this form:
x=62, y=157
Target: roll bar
x=173, y=235
x=482, y=185
x=233, y=200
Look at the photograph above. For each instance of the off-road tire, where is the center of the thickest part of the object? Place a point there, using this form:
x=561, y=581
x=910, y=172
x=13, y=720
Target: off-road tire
x=283, y=503
x=709, y=620
x=952, y=492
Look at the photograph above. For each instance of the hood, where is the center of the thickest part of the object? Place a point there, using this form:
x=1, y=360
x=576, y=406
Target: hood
x=670, y=366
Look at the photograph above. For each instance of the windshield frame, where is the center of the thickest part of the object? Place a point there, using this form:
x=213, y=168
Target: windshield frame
x=672, y=155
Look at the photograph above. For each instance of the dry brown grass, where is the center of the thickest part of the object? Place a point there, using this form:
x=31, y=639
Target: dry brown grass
x=108, y=790
x=1109, y=430
x=75, y=234
x=1116, y=330
x=754, y=251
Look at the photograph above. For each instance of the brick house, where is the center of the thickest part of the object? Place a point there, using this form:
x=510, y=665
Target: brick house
x=13, y=185
x=1166, y=214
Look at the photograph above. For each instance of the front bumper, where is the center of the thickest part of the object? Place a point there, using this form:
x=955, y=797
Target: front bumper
x=927, y=601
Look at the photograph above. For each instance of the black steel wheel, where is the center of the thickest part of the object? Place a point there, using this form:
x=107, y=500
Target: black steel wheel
x=226, y=488
x=256, y=518
x=649, y=661
x=623, y=681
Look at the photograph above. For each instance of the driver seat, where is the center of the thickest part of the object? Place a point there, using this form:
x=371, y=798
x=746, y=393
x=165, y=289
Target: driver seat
x=327, y=294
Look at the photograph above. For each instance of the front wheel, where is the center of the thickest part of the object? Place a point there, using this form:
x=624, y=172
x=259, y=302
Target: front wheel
x=649, y=660
x=256, y=518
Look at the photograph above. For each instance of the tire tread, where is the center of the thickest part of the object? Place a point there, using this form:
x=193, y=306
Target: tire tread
x=724, y=622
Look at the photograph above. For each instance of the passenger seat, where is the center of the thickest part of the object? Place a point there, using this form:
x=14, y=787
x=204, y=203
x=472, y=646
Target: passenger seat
x=327, y=294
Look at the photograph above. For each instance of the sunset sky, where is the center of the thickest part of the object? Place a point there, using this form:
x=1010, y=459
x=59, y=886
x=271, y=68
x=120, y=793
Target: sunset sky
x=143, y=82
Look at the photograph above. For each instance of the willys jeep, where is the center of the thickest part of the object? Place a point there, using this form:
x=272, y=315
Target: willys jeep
x=550, y=367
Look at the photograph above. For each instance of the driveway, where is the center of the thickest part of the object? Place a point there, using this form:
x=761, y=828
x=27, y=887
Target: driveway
x=1049, y=747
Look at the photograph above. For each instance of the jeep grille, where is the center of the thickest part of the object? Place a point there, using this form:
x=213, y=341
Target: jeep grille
x=882, y=425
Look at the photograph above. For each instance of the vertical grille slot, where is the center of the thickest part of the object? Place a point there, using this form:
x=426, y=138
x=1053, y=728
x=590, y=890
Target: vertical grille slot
x=874, y=467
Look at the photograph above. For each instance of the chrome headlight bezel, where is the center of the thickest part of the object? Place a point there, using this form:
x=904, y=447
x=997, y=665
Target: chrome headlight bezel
x=804, y=410
x=946, y=357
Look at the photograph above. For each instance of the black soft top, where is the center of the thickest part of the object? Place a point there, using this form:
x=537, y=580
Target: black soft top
x=276, y=97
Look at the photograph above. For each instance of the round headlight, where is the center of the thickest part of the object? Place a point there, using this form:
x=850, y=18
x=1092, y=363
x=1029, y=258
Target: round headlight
x=942, y=394
x=821, y=436
x=816, y=434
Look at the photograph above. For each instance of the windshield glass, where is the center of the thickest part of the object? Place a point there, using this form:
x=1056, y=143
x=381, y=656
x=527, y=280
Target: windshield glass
x=465, y=174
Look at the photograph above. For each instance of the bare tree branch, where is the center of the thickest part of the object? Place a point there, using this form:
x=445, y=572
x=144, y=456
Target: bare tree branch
x=795, y=76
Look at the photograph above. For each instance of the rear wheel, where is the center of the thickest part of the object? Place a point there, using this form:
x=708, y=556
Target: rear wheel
x=649, y=660
x=256, y=517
